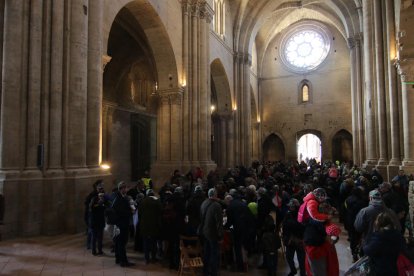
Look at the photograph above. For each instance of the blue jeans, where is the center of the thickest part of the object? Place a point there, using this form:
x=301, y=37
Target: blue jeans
x=211, y=257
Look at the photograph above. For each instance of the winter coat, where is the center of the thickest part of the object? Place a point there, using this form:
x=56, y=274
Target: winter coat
x=150, y=217
x=123, y=210
x=383, y=248
x=211, y=226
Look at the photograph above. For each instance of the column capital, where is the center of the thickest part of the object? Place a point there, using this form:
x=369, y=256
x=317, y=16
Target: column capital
x=206, y=12
x=405, y=69
x=243, y=58
x=171, y=96
x=354, y=41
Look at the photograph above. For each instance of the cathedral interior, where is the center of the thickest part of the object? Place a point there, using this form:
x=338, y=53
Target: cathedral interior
x=112, y=88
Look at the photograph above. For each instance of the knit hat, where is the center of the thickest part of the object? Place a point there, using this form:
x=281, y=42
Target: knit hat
x=198, y=188
x=375, y=196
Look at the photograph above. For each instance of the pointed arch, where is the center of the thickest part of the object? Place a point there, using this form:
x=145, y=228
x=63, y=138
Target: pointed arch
x=342, y=147
x=273, y=148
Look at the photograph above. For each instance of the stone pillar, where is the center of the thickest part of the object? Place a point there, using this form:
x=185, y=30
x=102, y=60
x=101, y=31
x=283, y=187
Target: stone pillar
x=107, y=121
x=406, y=70
x=230, y=141
x=408, y=117
x=205, y=89
x=356, y=95
x=393, y=94
x=371, y=142
x=243, y=115
x=12, y=85
x=195, y=84
x=77, y=94
x=186, y=9
x=56, y=87
x=223, y=139
x=34, y=83
x=176, y=119
x=95, y=73
x=380, y=85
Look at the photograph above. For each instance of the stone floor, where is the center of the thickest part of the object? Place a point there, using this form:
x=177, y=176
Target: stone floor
x=66, y=255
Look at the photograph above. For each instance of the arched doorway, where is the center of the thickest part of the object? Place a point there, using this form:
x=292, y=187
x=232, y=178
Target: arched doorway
x=273, y=148
x=309, y=146
x=342, y=146
x=221, y=116
x=130, y=80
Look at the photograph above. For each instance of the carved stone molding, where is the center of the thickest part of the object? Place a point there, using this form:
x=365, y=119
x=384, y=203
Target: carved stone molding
x=171, y=96
x=354, y=41
x=243, y=58
x=206, y=12
x=405, y=68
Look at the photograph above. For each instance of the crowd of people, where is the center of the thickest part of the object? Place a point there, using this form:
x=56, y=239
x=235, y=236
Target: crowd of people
x=256, y=211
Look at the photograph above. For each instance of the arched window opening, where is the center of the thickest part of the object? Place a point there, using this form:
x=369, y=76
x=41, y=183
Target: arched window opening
x=305, y=93
x=219, y=17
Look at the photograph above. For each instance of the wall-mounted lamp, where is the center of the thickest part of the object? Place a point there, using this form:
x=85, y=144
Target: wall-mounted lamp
x=105, y=166
x=183, y=83
x=234, y=107
x=258, y=120
x=212, y=108
x=156, y=86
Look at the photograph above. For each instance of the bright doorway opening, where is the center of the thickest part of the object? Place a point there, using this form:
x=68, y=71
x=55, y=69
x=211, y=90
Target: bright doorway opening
x=309, y=147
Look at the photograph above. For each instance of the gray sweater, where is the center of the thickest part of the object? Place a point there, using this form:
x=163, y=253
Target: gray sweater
x=212, y=225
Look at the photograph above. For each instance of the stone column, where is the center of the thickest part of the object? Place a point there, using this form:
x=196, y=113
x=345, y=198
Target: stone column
x=56, y=87
x=371, y=142
x=407, y=79
x=246, y=111
x=205, y=90
x=107, y=122
x=186, y=9
x=95, y=74
x=223, y=141
x=406, y=70
x=34, y=83
x=12, y=84
x=77, y=94
x=230, y=141
x=393, y=94
x=194, y=144
x=176, y=119
x=356, y=96
x=380, y=85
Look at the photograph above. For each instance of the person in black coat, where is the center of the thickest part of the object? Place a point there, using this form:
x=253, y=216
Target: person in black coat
x=353, y=204
x=123, y=210
x=193, y=210
x=384, y=245
x=97, y=208
x=293, y=238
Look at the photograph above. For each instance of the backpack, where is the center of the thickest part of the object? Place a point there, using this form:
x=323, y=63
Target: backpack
x=303, y=214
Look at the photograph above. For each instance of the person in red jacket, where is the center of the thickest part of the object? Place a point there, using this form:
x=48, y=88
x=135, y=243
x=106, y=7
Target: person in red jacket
x=320, y=250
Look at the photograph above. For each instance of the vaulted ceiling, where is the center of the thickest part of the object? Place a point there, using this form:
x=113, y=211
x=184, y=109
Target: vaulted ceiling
x=260, y=21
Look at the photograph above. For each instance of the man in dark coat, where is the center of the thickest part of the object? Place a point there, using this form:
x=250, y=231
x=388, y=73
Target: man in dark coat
x=150, y=216
x=193, y=210
x=124, y=213
x=211, y=229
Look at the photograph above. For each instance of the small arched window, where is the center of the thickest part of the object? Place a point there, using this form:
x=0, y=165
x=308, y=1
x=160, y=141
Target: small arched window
x=219, y=17
x=305, y=92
